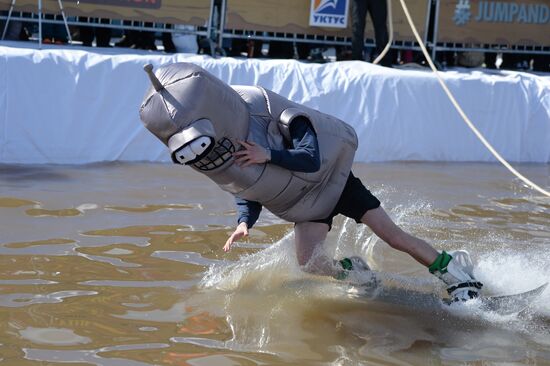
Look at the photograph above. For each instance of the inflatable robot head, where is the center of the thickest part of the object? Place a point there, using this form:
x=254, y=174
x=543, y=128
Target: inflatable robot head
x=196, y=115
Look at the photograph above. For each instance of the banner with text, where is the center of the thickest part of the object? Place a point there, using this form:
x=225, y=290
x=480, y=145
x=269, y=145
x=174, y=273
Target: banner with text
x=192, y=12
x=520, y=22
x=293, y=16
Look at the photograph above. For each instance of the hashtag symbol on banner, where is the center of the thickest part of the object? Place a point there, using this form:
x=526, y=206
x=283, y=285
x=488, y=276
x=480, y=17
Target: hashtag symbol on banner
x=462, y=12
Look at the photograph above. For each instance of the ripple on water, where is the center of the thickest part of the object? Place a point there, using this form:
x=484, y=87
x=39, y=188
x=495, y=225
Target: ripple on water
x=141, y=257
x=10, y=202
x=92, y=357
x=186, y=257
x=481, y=353
x=152, y=208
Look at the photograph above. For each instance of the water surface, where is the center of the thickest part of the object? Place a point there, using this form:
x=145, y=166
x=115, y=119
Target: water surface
x=121, y=264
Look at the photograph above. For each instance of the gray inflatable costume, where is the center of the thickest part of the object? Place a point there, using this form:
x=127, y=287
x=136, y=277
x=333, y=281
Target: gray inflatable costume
x=200, y=119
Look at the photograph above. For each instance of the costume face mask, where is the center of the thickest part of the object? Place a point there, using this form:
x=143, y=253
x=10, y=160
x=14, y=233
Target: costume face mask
x=195, y=114
x=198, y=148
x=204, y=154
x=193, y=151
x=192, y=143
x=221, y=152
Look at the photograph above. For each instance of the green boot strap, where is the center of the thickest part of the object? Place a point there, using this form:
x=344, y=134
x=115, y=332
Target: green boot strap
x=346, y=264
x=440, y=263
x=346, y=267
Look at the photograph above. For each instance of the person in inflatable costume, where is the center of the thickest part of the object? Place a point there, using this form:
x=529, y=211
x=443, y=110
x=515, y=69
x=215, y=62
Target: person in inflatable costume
x=295, y=161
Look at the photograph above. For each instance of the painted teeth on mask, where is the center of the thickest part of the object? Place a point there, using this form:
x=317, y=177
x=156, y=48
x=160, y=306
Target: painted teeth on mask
x=222, y=152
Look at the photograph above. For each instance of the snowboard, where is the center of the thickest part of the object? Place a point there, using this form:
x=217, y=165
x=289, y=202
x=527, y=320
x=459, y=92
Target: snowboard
x=375, y=291
x=502, y=304
x=507, y=304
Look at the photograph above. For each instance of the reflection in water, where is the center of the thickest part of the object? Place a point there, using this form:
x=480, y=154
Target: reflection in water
x=102, y=266
x=53, y=336
x=19, y=299
x=14, y=202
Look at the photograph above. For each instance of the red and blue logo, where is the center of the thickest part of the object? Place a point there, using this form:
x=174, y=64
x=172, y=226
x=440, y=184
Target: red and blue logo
x=329, y=13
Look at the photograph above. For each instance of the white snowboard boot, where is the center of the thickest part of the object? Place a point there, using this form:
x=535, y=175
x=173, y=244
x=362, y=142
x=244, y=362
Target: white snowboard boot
x=456, y=270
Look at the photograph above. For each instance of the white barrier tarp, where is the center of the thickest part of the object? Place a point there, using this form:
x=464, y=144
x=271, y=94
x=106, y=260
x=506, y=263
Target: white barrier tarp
x=73, y=106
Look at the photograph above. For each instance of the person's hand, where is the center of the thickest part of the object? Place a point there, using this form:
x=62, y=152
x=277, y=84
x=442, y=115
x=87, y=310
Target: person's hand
x=252, y=154
x=240, y=232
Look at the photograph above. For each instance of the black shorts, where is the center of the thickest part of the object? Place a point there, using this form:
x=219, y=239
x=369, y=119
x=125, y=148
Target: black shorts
x=354, y=201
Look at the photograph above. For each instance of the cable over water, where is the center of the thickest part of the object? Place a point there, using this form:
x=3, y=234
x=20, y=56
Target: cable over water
x=467, y=120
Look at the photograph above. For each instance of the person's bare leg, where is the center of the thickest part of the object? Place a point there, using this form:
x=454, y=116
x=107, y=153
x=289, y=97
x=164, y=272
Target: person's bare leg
x=309, y=237
x=383, y=226
x=457, y=275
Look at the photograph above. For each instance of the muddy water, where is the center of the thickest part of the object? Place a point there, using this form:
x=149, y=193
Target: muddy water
x=121, y=264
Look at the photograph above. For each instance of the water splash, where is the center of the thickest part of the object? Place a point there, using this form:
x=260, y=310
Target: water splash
x=511, y=271
x=265, y=294
x=263, y=269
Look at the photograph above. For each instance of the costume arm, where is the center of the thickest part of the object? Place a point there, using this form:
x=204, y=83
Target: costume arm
x=248, y=211
x=304, y=154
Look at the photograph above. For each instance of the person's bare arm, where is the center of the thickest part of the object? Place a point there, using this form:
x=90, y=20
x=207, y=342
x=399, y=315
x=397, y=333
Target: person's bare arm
x=240, y=232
